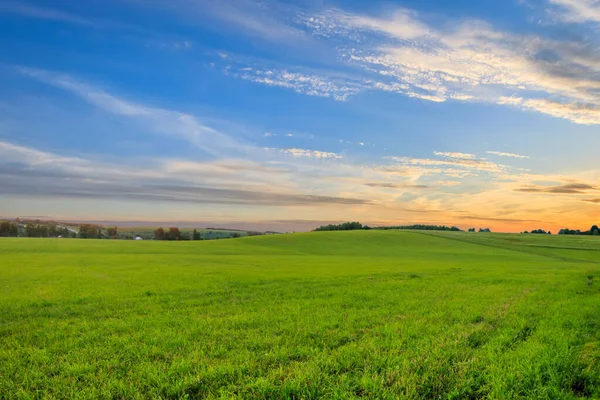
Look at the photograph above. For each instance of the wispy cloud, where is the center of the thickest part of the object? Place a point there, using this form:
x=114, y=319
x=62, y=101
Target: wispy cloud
x=309, y=84
x=469, y=61
x=43, y=13
x=578, y=10
x=502, y=154
x=464, y=156
x=451, y=161
x=29, y=172
x=569, y=188
x=159, y=120
x=395, y=185
x=310, y=153
x=264, y=20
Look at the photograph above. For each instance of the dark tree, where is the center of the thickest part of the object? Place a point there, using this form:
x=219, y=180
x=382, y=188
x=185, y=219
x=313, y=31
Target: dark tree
x=159, y=234
x=112, y=232
x=346, y=226
x=9, y=229
x=421, y=228
x=174, y=234
x=89, y=231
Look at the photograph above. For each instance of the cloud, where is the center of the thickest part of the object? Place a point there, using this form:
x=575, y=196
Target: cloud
x=463, y=156
x=570, y=188
x=263, y=20
x=158, y=120
x=455, y=160
x=578, y=10
x=395, y=186
x=469, y=60
x=595, y=201
x=43, y=13
x=309, y=84
x=310, y=153
x=501, y=154
x=29, y=172
x=479, y=218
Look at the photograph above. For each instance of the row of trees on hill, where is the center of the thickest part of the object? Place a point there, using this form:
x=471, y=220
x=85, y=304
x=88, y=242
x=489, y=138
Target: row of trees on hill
x=170, y=234
x=420, y=227
x=9, y=229
x=481, y=230
x=539, y=232
x=175, y=234
x=594, y=230
x=39, y=230
x=346, y=226
x=351, y=226
x=53, y=229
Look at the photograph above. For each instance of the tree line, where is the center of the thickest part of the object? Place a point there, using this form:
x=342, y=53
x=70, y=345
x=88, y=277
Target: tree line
x=420, y=227
x=594, y=231
x=37, y=230
x=53, y=229
x=351, y=226
x=175, y=233
x=346, y=226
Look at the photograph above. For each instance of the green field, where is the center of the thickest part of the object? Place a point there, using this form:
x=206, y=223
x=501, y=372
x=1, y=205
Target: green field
x=332, y=315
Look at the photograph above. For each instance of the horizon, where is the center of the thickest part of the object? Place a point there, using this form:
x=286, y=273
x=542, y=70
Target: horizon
x=293, y=113
x=282, y=226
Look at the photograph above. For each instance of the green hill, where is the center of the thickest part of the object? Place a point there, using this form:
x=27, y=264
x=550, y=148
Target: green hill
x=332, y=315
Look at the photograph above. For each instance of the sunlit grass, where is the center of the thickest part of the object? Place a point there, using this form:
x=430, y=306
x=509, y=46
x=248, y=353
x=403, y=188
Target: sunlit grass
x=321, y=315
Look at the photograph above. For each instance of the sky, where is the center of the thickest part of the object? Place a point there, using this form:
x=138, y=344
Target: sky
x=285, y=115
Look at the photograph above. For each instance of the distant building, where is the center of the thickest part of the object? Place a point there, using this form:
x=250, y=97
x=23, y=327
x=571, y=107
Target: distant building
x=138, y=238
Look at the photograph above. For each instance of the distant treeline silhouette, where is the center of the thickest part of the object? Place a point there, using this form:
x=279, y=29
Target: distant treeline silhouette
x=353, y=226
x=421, y=228
x=594, y=230
x=346, y=226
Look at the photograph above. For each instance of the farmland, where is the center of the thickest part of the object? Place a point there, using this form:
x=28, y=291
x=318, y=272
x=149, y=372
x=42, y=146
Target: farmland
x=334, y=315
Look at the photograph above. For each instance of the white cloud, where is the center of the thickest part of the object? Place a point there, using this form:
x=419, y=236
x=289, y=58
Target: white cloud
x=159, y=120
x=309, y=84
x=463, y=156
x=43, y=13
x=469, y=61
x=501, y=154
x=453, y=164
x=579, y=10
x=310, y=153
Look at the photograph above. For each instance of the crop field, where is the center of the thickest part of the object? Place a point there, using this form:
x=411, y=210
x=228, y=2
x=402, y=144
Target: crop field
x=331, y=315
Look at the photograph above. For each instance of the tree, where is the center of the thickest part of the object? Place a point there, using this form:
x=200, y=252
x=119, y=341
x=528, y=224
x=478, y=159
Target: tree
x=159, y=234
x=487, y=230
x=112, y=232
x=9, y=229
x=13, y=230
x=196, y=235
x=173, y=234
x=89, y=231
x=595, y=230
x=346, y=226
x=471, y=229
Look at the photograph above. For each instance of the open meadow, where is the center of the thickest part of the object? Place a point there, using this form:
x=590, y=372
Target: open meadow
x=332, y=315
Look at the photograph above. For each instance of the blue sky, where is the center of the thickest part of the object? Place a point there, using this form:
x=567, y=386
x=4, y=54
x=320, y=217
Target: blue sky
x=291, y=113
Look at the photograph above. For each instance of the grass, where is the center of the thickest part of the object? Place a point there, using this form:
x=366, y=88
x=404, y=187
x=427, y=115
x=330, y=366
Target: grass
x=333, y=315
